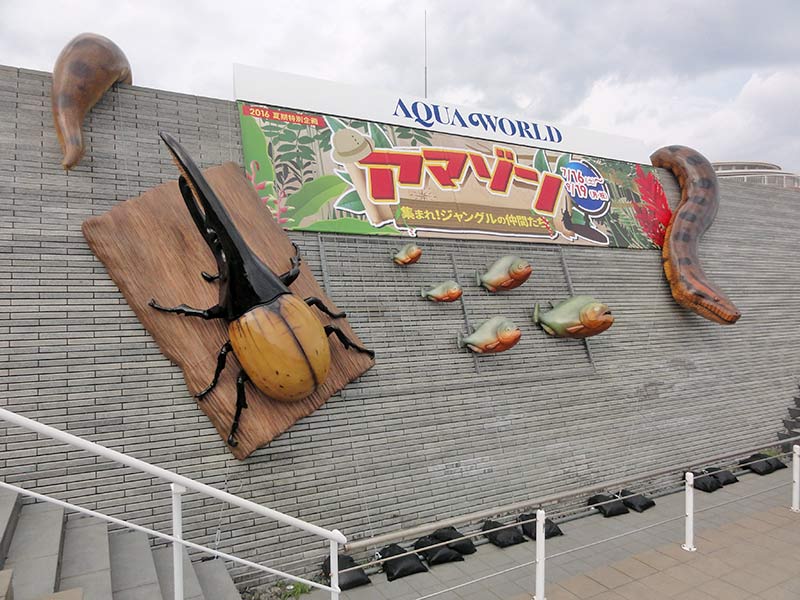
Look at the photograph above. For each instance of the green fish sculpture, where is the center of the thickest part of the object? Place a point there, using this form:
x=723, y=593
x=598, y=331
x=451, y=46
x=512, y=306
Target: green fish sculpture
x=498, y=334
x=407, y=255
x=506, y=273
x=447, y=291
x=577, y=317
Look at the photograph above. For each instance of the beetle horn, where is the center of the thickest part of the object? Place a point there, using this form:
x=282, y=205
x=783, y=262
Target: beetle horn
x=252, y=279
x=215, y=214
x=197, y=182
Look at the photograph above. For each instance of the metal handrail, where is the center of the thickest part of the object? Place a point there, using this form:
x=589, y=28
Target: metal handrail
x=163, y=536
x=166, y=475
x=688, y=516
x=587, y=509
x=419, y=530
x=179, y=485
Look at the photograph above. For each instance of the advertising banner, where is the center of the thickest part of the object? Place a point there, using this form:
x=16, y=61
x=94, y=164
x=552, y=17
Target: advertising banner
x=318, y=172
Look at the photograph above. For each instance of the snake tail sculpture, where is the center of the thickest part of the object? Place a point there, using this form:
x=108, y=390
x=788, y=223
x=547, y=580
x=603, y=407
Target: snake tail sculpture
x=86, y=68
x=690, y=285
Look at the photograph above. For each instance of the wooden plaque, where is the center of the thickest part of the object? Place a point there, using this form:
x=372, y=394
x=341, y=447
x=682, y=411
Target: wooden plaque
x=152, y=249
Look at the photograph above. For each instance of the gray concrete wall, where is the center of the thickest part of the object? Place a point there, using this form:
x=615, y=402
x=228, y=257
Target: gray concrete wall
x=429, y=432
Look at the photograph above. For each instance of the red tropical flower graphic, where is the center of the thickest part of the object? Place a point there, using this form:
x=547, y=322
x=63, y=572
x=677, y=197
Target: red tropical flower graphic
x=653, y=212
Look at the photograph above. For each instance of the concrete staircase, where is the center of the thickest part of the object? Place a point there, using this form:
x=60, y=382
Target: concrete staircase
x=792, y=424
x=44, y=556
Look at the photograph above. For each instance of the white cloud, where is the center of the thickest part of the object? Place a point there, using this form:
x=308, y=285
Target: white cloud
x=753, y=124
x=675, y=71
x=466, y=95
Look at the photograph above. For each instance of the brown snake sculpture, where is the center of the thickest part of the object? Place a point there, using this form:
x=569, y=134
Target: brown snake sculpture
x=690, y=286
x=86, y=68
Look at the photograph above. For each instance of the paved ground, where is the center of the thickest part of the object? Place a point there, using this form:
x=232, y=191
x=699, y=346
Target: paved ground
x=746, y=549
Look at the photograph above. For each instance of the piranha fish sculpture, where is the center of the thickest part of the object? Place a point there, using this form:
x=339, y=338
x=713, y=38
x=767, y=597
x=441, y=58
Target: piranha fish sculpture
x=506, y=273
x=407, y=255
x=577, y=317
x=498, y=334
x=85, y=70
x=447, y=291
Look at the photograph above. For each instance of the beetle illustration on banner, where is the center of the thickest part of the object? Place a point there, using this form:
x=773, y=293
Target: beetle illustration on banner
x=323, y=173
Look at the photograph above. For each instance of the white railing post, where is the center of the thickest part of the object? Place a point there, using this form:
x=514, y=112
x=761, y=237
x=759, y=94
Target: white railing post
x=177, y=548
x=688, y=543
x=796, y=478
x=538, y=590
x=179, y=486
x=334, y=568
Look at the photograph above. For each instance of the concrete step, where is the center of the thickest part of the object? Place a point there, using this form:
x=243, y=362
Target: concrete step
x=794, y=412
x=5, y=585
x=133, y=573
x=791, y=425
x=796, y=400
x=76, y=594
x=215, y=580
x=35, y=550
x=782, y=435
x=9, y=513
x=162, y=557
x=85, y=562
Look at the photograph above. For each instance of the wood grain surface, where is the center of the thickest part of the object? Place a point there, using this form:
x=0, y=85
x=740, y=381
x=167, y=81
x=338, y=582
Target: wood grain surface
x=152, y=249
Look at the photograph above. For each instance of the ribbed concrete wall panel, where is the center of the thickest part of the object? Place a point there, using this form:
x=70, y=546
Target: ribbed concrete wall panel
x=431, y=431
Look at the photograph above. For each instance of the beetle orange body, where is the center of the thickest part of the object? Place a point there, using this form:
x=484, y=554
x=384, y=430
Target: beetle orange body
x=282, y=347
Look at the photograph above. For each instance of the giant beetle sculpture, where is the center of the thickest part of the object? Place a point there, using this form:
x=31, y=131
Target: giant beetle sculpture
x=281, y=346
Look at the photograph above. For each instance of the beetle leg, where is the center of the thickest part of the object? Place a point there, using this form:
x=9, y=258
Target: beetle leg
x=215, y=312
x=293, y=273
x=221, y=358
x=198, y=217
x=241, y=403
x=210, y=236
x=194, y=212
x=346, y=341
x=216, y=249
x=312, y=301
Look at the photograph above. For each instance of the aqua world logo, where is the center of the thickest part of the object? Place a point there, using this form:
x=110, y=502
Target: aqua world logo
x=427, y=115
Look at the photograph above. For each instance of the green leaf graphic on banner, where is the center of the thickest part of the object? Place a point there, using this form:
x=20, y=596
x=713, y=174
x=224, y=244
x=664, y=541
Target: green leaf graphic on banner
x=356, y=124
x=578, y=217
x=313, y=196
x=414, y=137
x=540, y=162
x=345, y=176
x=255, y=148
x=627, y=220
x=335, y=124
x=350, y=201
x=562, y=162
x=379, y=137
x=349, y=225
x=287, y=135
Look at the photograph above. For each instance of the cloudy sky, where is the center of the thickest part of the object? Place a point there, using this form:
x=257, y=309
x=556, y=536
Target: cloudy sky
x=722, y=76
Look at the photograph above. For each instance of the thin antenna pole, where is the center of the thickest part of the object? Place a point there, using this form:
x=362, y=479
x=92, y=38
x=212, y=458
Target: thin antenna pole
x=426, y=53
